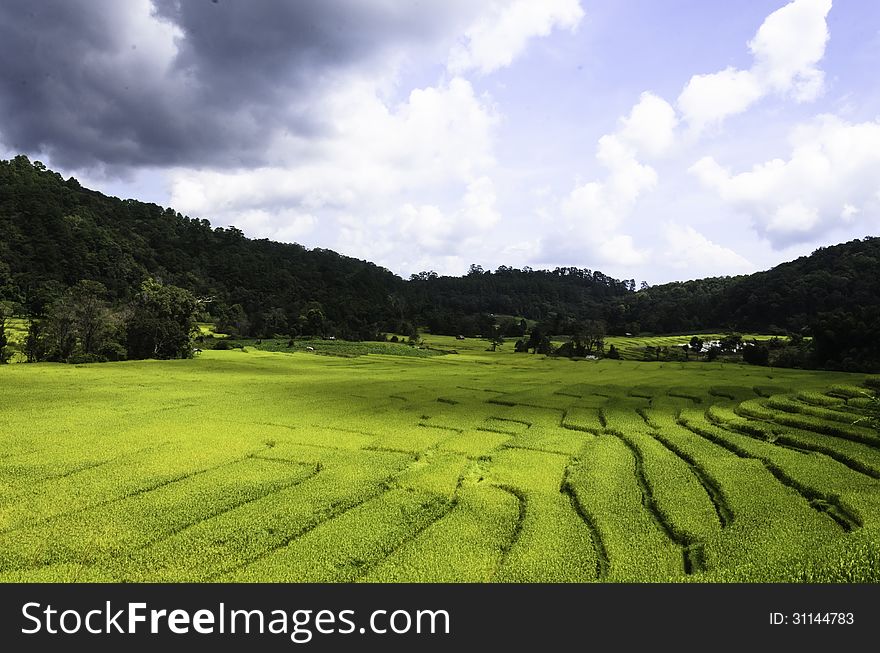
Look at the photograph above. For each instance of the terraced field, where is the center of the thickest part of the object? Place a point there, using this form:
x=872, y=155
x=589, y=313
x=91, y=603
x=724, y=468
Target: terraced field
x=634, y=347
x=16, y=332
x=468, y=467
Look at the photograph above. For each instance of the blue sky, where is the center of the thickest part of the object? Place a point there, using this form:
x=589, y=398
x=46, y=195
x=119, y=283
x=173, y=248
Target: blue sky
x=650, y=140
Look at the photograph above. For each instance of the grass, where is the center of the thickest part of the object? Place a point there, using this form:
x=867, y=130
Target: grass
x=634, y=347
x=340, y=348
x=382, y=462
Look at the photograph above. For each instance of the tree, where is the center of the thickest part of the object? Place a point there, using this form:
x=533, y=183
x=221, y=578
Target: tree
x=696, y=344
x=594, y=336
x=91, y=316
x=35, y=342
x=78, y=327
x=731, y=342
x=613, y=353
x=536, y=338
x=495, y=337
x=313, y=322
x=232, y=320
x=5, y=354
x=60, y=329
x=161, y=322
x=756, y=354
x=274, y=323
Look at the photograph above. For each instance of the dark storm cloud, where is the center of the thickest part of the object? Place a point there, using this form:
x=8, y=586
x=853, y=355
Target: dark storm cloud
x=74, y=84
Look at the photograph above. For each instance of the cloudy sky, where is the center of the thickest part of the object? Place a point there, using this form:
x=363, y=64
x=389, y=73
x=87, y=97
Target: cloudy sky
x=650, y=140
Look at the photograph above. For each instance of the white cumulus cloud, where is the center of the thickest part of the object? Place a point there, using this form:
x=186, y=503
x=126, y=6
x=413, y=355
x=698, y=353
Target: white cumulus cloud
x=832, y=173
x=688, y=249
x=650, y=126
x=406, y=161
x=786, y=50
x=502, y=33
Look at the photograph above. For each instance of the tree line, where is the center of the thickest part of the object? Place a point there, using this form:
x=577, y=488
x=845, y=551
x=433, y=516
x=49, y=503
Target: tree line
x=55, y=234
x=81, y=326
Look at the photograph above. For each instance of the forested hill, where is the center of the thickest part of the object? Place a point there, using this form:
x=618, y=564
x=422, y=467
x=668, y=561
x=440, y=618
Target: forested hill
x=832, y=295
x=53, y=233
x=836, y=281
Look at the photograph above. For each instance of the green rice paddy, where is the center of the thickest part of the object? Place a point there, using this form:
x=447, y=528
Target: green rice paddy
x=474, y=466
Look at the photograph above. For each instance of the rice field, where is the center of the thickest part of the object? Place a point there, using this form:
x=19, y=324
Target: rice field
x=16, y=333
x=635, y=347
x=477, y=466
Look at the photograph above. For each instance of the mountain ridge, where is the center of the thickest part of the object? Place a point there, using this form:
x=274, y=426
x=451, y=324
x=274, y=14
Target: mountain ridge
x=56, y=232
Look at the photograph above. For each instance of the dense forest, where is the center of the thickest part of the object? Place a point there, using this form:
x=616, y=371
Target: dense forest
x=54, y=234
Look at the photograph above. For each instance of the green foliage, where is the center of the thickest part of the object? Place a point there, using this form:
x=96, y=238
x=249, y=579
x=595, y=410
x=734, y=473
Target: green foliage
x=871, y=408
x=57, y=233
x=161, y=323
x=341, y=348
x=756, y=354
x=5, y=353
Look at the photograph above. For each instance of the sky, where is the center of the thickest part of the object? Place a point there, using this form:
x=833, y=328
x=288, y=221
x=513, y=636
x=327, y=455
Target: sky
x=657, y=141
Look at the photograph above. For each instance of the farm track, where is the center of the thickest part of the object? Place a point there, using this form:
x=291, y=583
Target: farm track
x=828, y=506
x=691, y=550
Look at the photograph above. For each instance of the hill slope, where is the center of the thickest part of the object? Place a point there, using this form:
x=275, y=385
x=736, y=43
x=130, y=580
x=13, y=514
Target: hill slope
x=55, y=232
